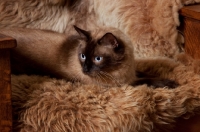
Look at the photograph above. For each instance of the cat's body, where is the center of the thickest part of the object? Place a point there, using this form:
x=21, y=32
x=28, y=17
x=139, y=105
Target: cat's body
x=54, y=54
x=104, y=57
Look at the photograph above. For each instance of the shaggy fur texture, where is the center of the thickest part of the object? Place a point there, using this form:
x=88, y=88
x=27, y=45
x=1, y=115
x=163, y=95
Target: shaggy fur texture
x=151, y=24
x=44, y=104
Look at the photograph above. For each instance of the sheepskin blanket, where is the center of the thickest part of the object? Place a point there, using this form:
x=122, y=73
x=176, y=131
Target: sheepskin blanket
x=151, y=24
x=51, y=105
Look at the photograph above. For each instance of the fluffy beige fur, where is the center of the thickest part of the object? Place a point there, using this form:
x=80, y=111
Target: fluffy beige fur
x=151, y=24
x=44, y=104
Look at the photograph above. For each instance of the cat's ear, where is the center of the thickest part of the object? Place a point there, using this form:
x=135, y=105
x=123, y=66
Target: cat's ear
x=82, y=33
x=109, y=40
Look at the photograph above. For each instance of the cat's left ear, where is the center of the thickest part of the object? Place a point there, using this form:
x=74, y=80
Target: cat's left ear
x=109, y=40
x=82, y=33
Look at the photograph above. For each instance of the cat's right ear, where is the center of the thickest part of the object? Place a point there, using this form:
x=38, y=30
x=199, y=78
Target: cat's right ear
x=84, y=34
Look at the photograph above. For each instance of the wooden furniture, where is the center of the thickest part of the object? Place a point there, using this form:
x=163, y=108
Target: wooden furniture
x=6, y=43
x=190, y=25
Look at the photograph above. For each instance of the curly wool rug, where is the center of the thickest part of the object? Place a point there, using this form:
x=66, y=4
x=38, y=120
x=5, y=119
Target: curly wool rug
x=51, y=105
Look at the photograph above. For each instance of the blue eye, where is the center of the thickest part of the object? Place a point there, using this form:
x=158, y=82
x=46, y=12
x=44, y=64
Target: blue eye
x=83, y=57
x=98, y=58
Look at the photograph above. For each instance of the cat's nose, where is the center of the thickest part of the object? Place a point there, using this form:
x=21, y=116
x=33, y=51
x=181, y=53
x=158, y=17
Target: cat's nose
x=86, y=69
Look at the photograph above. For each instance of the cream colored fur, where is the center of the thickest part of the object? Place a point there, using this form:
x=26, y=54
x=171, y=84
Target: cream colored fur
x=150, y=24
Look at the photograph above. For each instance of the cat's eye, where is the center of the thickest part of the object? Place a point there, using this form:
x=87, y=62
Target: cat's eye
x=98, y=58
x=83, y=57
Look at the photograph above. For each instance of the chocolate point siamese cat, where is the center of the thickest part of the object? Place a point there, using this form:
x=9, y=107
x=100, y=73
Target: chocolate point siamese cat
x=102, y=56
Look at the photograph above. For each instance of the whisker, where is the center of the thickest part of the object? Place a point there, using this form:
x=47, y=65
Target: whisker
x=110, y=77
x=97, y=80
x=101, y=77
x=100, y=84
x=74, y=78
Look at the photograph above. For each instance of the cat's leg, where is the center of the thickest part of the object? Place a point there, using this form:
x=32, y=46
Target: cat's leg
x=156, y=82
x=155, y=67
x=154, y=72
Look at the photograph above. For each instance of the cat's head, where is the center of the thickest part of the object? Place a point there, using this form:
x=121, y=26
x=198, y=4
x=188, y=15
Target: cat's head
x=101, y=55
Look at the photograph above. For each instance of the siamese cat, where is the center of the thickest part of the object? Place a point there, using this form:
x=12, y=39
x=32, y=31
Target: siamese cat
x=103, y=56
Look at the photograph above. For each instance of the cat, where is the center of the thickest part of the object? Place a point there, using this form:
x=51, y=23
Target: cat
x=55, y=54
x=103, y=56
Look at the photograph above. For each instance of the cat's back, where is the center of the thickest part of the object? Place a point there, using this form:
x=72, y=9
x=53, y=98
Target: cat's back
x=37, y=51
x=33, y=35
x=40, y=46
x=33, y=40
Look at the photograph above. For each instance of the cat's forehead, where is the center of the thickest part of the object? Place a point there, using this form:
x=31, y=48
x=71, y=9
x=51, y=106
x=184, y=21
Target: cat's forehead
x=93, y=48
x=87, y=46
x=92, y=42
x=82, y=43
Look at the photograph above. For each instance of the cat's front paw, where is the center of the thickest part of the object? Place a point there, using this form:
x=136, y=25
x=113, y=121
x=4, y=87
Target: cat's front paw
x=156, y=82
x=165, y=83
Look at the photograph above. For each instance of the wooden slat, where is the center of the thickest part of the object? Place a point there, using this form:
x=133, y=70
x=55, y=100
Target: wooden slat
x=192, y=11
x=191, y=28
x=7, y=42
x=5, y=83
x=192, y=37
x=5, y=92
